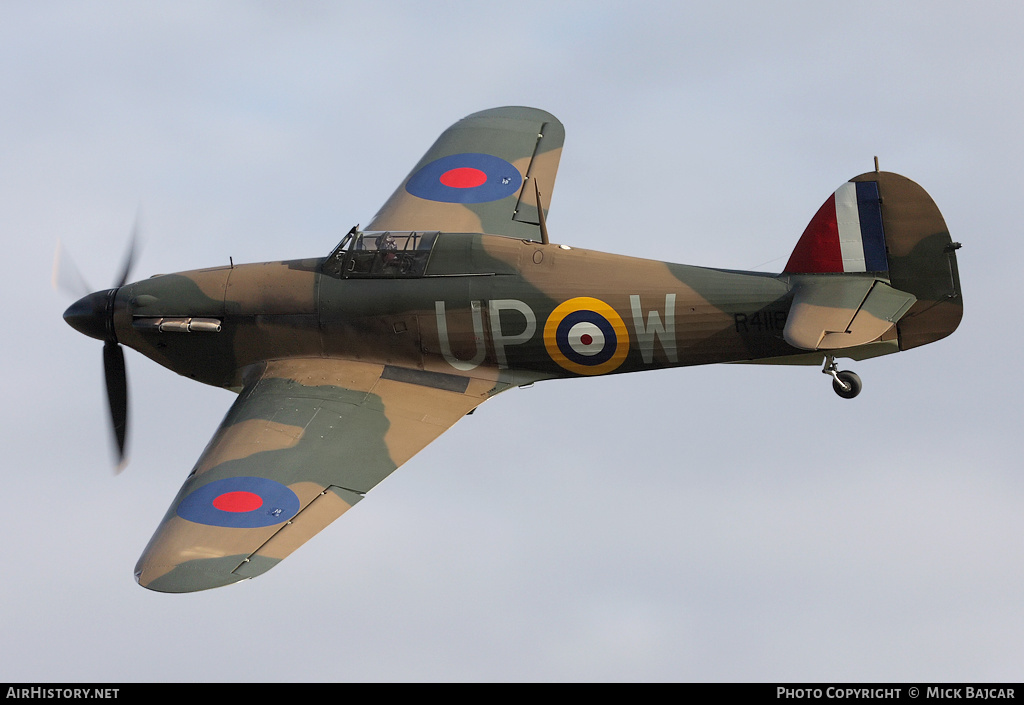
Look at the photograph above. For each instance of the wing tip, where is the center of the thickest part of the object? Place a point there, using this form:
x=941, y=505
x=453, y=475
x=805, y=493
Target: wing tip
x=514, y=112
x=193, y=576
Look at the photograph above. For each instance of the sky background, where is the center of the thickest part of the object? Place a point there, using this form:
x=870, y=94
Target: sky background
x=721, y=523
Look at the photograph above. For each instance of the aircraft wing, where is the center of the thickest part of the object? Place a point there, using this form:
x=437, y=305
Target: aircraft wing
x=304, y=441
x=482, y=176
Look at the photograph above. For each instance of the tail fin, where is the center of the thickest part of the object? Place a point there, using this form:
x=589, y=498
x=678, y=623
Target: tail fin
x=885, y=225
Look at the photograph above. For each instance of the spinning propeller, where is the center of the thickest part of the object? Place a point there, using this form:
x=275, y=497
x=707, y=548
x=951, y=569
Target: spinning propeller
x=93, y=315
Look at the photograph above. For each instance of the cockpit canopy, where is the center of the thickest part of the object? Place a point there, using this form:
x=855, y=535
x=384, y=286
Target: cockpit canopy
x=380, y=255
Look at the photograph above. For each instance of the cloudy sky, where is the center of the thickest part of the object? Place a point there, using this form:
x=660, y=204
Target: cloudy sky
x=661, y=526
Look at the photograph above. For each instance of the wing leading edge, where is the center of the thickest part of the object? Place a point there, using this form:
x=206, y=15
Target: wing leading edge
x=481, y=176
x=304, y=441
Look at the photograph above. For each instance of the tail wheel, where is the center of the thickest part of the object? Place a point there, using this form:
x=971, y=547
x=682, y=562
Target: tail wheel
x=847, y=384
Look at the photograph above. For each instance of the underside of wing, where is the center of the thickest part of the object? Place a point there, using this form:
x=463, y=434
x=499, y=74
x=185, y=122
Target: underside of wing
x=304, y=441
x=483, y=175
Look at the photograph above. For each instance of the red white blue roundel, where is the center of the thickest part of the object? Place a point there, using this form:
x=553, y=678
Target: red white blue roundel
x=465, y=178
x=241, y=503
x=586, y=336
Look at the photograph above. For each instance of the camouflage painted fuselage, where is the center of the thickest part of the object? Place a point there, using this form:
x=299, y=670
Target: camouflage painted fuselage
x=487, y=304
x=493, y=305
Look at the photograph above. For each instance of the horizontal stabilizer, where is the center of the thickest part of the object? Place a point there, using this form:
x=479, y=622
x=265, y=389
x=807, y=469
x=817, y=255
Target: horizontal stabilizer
x=834, y=312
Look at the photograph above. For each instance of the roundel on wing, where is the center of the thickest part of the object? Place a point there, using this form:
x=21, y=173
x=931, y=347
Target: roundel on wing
x=465, y=178
x=586, y=336
x=241, y=503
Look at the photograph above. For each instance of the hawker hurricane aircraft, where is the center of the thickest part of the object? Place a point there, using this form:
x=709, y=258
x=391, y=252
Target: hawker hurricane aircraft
x=348, y=365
